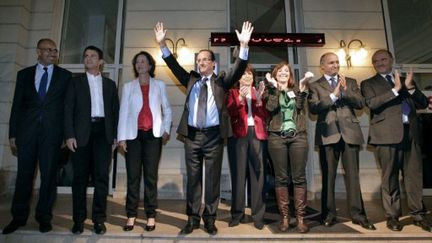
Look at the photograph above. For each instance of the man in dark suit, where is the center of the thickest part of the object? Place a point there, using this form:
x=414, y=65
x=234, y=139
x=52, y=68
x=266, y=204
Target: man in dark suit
x=394, y=131
x=204, y=125
x=35, y=134
x=91, y=116
x=333, y=98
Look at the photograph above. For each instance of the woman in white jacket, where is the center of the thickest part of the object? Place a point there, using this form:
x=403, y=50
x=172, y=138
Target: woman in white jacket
x=144, y=125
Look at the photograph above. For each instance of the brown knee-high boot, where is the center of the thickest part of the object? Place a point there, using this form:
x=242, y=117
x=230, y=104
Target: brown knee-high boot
x=300, y=198
x=283, y=202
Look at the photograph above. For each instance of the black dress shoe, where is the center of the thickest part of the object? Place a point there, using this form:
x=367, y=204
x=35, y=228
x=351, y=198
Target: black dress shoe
x=45, y=227
x=424, y=224
x=150, y=227
x=77, y=228
x=259, y=225
x=13, y=226
x=211, y=228
x=364, y=223
x=234, y=223
x=99, y=228
x=190, y=226
x=393, y=224
x=329, y=221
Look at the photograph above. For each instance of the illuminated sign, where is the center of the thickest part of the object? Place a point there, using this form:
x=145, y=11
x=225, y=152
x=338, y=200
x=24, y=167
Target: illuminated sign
x=269, y=39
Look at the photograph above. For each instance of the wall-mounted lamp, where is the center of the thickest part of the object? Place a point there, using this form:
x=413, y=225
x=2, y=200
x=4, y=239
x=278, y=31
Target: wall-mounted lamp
x=176, y=44
x=354, y=51
x=183, y=55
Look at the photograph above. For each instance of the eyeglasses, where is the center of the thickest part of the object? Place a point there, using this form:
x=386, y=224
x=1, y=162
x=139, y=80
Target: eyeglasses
x=49, y=50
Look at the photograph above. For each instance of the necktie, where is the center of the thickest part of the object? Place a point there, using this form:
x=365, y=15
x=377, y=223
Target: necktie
x=390, y=80
x=202, y=104
x=333, y=82
x=43, y=84
x=405, y=107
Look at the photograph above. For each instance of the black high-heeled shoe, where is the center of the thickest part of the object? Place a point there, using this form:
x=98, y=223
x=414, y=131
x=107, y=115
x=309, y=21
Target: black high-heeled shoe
x=128, y=227
x=150, y=227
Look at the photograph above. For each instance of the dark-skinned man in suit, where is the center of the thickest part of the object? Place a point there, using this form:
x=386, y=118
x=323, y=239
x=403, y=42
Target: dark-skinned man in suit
x=36, y=134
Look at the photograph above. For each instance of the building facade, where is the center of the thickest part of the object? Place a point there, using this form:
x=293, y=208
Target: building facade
x=125, y=27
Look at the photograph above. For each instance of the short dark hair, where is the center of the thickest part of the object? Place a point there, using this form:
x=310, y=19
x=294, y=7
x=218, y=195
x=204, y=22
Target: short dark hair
x=94, y=48
x=150, y=59
x=44, y=40
x=212, y=55
x=385, y=51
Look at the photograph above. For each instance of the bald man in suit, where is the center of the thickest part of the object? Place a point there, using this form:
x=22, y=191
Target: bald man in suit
x=394, y=131
x=36, y=134
x=333, y=98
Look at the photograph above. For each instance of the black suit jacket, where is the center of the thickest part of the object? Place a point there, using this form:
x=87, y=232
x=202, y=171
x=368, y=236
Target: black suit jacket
x=27, y=107
x=77, y=122
x=220, y=85
x=386, y=125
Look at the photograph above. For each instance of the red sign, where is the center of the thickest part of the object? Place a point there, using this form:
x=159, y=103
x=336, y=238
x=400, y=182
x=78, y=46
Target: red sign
x=269, y=39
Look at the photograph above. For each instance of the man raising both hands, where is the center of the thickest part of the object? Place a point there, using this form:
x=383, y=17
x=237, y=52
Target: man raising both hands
x=204, y=125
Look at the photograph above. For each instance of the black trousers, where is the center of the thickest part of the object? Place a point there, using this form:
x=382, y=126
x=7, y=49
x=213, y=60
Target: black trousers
x=142, y=157
x=246, y=154
x=203, y=147
x=37, y=149
x=330, y=155
x=95, y=159
x=407, y=157
x=289, y=156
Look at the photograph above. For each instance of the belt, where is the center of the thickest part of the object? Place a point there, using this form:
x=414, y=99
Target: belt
x=287, y=133
x=207, y=129
x=97, y=119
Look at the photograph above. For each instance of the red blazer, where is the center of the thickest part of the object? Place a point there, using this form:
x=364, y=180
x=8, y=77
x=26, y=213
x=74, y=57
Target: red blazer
x=238, y=115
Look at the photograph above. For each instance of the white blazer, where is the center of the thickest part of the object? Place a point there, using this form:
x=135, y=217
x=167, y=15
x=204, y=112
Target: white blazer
x=131, y=104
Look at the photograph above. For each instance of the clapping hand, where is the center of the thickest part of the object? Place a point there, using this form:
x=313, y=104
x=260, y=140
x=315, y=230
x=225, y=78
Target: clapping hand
x=259, y=93
x=245, y=34
x=342, y=81
x=409, y=82
x=271, y=80
x=304, y=81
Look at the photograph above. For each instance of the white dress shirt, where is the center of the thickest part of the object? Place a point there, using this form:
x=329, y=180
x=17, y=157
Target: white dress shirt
x=96, y=95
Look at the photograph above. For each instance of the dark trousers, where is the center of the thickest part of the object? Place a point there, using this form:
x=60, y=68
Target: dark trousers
x=142, y=156
x=94, y=158
x=289, y=156
x=350, y=160
x=203, y=148
x=407, y=157
x=37, y=149
x=247, y=155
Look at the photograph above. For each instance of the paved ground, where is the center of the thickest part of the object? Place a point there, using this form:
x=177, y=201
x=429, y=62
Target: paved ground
x=171, y=219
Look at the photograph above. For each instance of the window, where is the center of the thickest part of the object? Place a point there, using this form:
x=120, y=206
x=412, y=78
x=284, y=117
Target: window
x=89, y=23
x=409, y=28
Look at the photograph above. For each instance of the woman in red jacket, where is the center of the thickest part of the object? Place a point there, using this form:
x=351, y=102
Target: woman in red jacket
x=245, y=148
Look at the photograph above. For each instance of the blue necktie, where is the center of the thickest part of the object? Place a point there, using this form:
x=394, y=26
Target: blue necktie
x=43, y=84
x=333, y=82
x=406, y=109
x=202, y=104
x=390, y=80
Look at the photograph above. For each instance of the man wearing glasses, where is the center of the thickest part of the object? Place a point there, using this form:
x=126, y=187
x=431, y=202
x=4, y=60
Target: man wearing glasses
x=36, y=134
